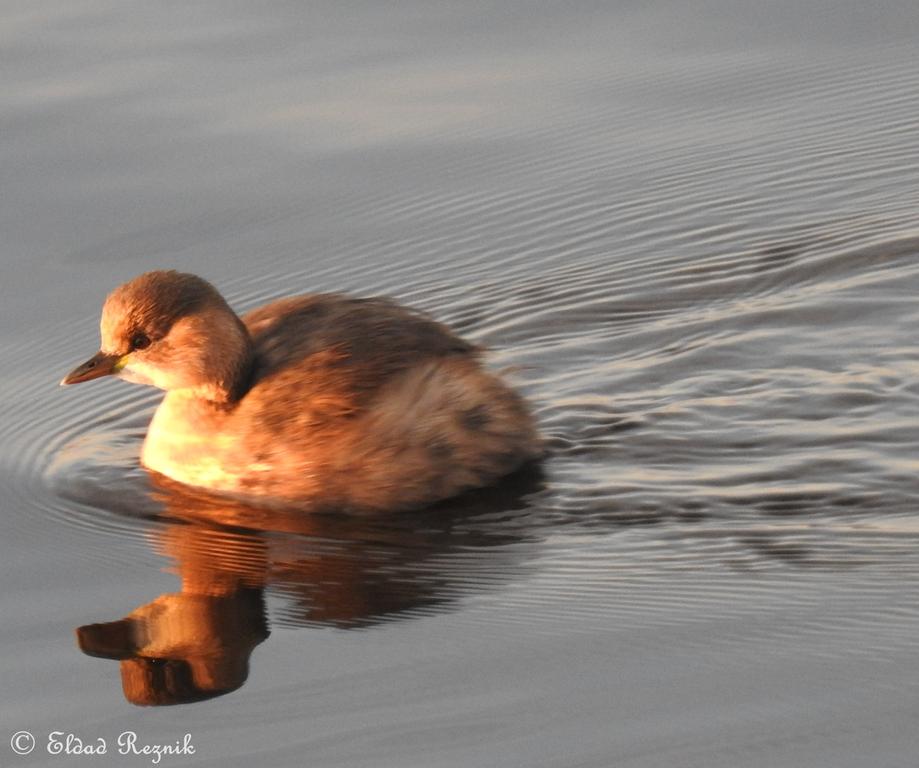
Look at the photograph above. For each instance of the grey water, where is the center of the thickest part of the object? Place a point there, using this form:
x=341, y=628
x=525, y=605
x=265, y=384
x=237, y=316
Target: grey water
x=687, y=231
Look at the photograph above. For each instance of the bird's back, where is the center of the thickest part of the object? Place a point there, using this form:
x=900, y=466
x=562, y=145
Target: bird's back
x=339, y=349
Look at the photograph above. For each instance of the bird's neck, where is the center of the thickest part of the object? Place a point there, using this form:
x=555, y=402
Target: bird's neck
x=227, y=363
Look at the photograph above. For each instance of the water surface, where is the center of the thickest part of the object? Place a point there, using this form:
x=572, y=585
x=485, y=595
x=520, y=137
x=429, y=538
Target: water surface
x=690, y=233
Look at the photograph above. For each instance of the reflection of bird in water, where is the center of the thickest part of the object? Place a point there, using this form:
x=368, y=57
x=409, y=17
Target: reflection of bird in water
x=320, y=399
x=182, y=647
x=330, y=570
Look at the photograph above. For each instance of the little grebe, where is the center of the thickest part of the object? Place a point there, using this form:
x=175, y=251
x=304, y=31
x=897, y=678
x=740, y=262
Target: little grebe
x=321, y=399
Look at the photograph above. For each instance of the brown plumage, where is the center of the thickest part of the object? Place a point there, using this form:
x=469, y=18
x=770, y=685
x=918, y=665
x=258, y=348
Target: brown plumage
x=324, y=400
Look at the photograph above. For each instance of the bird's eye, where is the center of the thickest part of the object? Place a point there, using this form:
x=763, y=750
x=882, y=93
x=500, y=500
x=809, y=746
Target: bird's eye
x=139, y=341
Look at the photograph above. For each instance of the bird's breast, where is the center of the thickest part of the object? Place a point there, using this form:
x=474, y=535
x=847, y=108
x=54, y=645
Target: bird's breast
x=187, y=444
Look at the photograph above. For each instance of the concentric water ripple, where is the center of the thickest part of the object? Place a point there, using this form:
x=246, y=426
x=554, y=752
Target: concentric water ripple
x=660, y=399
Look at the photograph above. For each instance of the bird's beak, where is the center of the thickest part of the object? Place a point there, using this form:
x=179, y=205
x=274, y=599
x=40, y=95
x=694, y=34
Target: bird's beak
x=97, y=366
